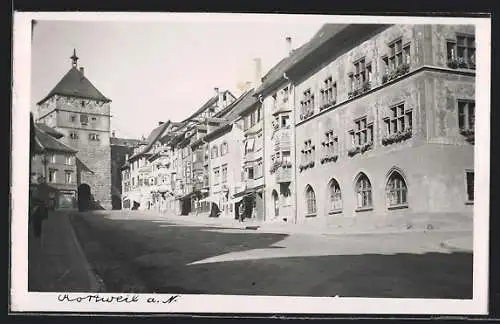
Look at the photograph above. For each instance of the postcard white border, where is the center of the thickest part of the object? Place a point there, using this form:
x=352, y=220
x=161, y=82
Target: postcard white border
x=22, y=301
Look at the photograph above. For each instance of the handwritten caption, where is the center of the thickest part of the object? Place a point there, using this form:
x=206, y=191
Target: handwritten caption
x=128, y=299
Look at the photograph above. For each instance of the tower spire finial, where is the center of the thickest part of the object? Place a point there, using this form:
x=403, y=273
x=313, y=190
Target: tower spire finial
x=74, y=58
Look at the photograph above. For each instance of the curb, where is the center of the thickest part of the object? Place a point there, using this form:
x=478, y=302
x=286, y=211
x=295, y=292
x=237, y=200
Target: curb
x=264, y=229
x=453, y=248
x=96, y=284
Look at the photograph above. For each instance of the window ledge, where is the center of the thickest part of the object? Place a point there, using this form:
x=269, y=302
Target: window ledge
x=392, y=207
x=335, y=211
x=311, y=215
x=469, y=202
x=362, y=209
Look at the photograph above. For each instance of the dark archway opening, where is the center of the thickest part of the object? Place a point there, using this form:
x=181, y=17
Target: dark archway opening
x=116, y=202
x=84, y=197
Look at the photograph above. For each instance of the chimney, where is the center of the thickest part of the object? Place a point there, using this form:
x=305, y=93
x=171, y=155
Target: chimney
x=288, y=40
x=257, y=71
x=82, y=70
x=161, y=123
x=113, y=134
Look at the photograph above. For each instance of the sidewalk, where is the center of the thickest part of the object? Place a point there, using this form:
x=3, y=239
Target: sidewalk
x=465, y=244
x=56, y=261
x=311, y=228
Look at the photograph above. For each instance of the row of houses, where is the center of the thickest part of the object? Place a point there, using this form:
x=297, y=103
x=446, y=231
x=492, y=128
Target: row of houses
x=362, y=122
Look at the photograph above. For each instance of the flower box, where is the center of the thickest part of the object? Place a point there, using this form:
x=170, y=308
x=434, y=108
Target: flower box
x=329, y=158
x=397, y=137
x=468, y=134
x=396, y=73
x=458, y=62
x=308, y=165
x=359, y=149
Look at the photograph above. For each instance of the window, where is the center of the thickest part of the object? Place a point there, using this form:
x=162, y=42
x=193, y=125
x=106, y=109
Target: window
x=362, y=133
x=284, y=94
x=466, y=111
x=399, y=120
x=307, y=103
x=84, y=119
x=215, y=152
x=249, y=145
x=329, y=93
x=69, y=160
x=83, y=103
x=94, y=137
x=250, y=174
x=397, y=191
x=259, y=111
x=310, y=201
x=252, y=118
x=360, y=77
x=52, y=158
x=335, y=196
x=216, y=175
x=68, y=176
x=73, y=135
x=72, y=118
x=363, y=192
x=258, y=170
x=398, y=55
x=368, y=72
x=463, y=49
x=223, y=149
x=308, y=152
x=224, y=173
x=352, y=84
x=285, y=121
x=286, y=158
x=469, y=177
x=331, y=142
x=52, y=175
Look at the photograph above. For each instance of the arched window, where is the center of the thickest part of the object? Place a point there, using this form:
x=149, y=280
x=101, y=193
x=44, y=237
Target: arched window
x=363, y=191
x=215, y=152
x=335, y=197
x=310, y=201
x=396, y=190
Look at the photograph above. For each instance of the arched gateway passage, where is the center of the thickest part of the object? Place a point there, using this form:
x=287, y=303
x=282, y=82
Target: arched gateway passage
x=84, y=197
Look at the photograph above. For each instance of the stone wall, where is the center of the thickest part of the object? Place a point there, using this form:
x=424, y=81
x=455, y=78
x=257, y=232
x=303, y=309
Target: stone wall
x=432, y=162
x=94, y=152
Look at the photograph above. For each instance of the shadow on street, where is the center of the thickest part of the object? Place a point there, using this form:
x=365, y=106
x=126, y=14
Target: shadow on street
x=142, y=256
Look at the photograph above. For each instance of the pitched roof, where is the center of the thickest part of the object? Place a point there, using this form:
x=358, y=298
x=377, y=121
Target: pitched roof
x=153, y=136
x=75, y=84
x=207, y=104
x=48, y=142
x=35, y=146
x=275, y=74
x=325, y=33
x=49, y=130
x=124, y=141
x=245, y=101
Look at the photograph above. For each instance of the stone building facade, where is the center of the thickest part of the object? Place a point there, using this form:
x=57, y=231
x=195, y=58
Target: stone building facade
x=397, y=140
x=56, y=162
x=82, y=114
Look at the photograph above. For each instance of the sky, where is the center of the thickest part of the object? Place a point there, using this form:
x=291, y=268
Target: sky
x=158, y=71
